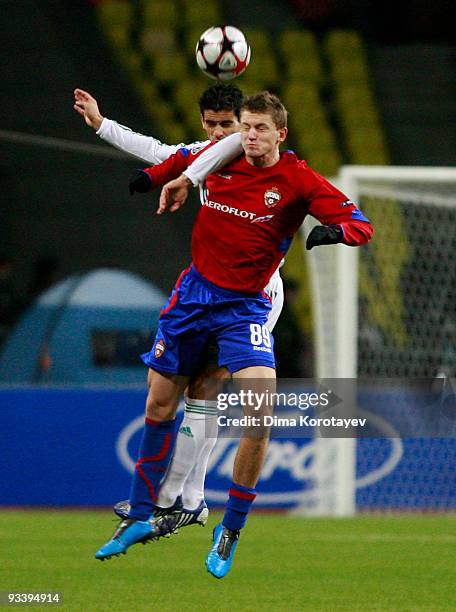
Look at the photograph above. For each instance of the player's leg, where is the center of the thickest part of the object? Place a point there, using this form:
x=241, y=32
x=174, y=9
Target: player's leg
x=199, y=433
x=177, y=354
x=246, y=471
x=157, y=442
x=246, y=349
x=184, y=480
x=193, y=492
x=199, y=429
x=196, y=430
x=197, y=437
x=195, y=441
x=154, y=455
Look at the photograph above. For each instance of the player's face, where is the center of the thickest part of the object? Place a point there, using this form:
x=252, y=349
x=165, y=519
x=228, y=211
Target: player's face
x=219, y=124
x=261, y=138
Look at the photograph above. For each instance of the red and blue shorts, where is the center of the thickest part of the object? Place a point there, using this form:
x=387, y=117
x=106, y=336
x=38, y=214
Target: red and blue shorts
x=199, y=313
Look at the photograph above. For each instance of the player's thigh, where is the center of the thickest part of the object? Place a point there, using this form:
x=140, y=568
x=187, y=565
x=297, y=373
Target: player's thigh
x=258, y=383
x=257, y=379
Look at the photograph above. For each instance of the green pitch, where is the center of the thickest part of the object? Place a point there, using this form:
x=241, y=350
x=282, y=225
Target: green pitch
x=281, y=564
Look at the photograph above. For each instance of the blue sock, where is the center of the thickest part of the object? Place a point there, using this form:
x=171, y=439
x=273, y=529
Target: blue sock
x=238, y=506
x=154, y=456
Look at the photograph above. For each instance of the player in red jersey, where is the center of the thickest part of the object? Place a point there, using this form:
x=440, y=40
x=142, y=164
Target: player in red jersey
x=262, y=204
x=180, y=501
x=244, y=227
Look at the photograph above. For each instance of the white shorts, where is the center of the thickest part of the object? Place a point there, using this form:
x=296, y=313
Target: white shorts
x=275, y=291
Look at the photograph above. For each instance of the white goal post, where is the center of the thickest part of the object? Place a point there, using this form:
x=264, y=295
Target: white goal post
x=386, y=309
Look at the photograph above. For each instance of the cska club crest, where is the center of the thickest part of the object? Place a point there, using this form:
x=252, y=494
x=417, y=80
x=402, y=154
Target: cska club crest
x=159, y=348
x=272, y=197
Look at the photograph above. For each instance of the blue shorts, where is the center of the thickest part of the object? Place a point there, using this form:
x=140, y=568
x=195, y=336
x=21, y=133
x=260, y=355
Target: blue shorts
x=198, y=313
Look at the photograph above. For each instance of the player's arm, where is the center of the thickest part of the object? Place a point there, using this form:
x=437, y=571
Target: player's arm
x=147, y=179
x=342, y=222
x=213, y=158
x=147, y=148
x=210, y=160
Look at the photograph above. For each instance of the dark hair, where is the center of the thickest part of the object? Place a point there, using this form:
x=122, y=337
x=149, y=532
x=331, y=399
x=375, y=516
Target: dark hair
x=266, y=102
x=222, y=97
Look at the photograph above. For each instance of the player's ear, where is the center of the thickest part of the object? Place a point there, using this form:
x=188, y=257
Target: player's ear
x=202, y=121
x=283, y=134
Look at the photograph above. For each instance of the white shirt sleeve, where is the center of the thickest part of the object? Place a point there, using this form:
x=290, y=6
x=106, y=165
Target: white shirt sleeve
x=214, y=158
x=147, y=148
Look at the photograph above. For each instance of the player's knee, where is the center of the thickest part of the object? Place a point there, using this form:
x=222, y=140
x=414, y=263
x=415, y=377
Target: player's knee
x=159, y=410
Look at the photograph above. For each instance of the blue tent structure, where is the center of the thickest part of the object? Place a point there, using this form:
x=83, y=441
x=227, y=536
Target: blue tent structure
x=88, y=329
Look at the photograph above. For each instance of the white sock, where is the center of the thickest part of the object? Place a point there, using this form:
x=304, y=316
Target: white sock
x=193, y=493
x=191, y=453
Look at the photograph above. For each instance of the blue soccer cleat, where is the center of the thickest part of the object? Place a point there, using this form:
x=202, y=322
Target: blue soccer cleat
x=129, y=532
x=166, y=521
x=220, y=557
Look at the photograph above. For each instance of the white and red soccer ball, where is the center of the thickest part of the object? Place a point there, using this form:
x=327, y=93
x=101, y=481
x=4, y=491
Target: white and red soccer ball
x=223, y=52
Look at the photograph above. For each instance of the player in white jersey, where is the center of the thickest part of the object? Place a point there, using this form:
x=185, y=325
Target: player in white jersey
x=181, y=496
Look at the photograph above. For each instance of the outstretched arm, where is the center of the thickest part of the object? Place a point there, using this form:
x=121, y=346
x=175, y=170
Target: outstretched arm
x=147, y=148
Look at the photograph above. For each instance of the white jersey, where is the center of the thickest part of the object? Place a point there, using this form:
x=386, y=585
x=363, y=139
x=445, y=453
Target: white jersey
x=152, y=151
x=147, y=148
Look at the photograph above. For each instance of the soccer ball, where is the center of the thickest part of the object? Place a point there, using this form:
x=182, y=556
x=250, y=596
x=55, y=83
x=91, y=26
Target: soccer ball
x=223, y=52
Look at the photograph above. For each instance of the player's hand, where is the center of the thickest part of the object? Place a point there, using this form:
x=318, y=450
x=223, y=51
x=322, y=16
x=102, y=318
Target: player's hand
x=87, y=107
x=140, y=182
x=174, y=194
x=324, y=234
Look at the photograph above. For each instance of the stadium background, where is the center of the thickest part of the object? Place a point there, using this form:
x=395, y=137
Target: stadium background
x=353, y=76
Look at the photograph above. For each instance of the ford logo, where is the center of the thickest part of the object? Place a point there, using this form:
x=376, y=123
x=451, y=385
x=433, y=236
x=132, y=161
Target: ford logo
x=296, y=473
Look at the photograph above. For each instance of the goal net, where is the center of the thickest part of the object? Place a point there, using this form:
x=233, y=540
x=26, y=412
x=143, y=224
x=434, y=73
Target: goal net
x=387, y=312
x=406, y=295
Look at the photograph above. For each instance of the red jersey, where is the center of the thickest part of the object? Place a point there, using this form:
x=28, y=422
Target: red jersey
x=249, y=215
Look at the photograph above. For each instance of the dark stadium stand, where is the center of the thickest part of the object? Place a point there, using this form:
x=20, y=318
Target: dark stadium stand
x=310, y=73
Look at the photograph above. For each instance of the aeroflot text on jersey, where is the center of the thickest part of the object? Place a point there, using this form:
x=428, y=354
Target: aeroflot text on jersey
x=232, y=210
